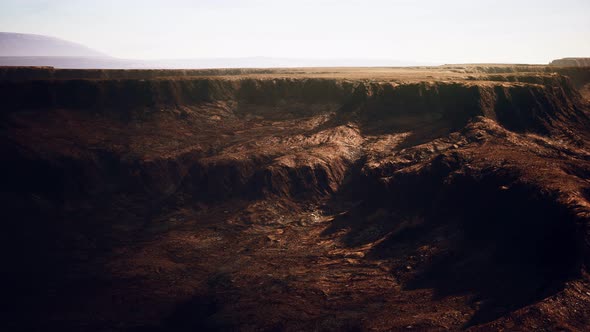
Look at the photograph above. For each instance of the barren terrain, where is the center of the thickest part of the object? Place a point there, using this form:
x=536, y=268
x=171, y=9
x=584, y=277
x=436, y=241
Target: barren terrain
x=322, y=199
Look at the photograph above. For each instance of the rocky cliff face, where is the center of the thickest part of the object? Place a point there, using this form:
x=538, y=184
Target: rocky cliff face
x=133, y=124
x=571, y=62
x=425, y=191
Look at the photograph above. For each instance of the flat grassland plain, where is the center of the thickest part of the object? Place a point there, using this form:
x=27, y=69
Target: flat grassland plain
x=313, y=199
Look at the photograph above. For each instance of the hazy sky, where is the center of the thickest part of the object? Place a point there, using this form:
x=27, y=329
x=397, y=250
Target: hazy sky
x=451, y=31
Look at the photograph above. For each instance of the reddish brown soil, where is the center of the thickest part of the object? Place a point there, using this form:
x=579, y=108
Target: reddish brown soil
x=322, y=199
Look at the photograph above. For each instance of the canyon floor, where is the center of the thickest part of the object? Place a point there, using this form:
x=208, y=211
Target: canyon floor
x=319, y=199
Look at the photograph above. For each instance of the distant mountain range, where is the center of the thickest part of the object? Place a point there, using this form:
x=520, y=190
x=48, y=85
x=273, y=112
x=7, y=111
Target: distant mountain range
x=18, y=49
x=22, y=44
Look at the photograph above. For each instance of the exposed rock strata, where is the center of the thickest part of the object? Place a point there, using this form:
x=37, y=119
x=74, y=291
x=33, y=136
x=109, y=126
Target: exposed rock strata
x=462, y=201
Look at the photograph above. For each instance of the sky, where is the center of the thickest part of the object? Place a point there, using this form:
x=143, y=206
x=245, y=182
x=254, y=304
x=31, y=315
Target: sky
x=430, y=31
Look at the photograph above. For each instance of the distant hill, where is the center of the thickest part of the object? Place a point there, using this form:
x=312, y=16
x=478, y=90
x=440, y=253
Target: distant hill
x=19, y=49
x=69, y=62
x=29, y=45
x=571, y=62
x=85, y=62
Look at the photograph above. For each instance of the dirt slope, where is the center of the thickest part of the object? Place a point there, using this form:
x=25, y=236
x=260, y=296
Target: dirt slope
x=304, y=199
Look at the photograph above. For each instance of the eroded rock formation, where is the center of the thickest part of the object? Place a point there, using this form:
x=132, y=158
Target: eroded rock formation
x=436, y=198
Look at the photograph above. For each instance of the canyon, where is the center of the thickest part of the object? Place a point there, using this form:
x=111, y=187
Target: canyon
x=351, y=199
